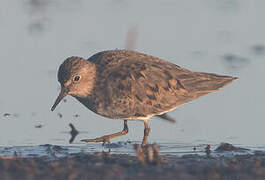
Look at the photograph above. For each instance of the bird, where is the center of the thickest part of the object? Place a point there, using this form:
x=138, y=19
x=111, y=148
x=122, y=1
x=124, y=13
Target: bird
x=129, y=85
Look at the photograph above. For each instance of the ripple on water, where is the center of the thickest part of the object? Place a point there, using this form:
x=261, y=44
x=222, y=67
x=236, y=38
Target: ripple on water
x=126, y=147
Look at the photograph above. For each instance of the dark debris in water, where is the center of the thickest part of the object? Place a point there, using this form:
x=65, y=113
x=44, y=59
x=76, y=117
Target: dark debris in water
x=37, y=26
x=6, y=114
x=38, y=126
x=235, y=62
x=76, y=115
x=59, y=115
x=74, y=132
x=38, y=11
x=229, y=147
x=258, y=49
x=38, y=6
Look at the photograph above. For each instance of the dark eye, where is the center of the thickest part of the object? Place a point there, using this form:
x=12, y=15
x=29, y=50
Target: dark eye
x=76, y=78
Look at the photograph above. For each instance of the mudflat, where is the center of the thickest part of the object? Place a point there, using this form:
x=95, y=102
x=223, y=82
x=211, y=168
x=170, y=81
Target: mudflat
x=121, y=166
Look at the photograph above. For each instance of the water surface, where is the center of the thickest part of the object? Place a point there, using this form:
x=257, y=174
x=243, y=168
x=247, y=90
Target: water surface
x=220, y=36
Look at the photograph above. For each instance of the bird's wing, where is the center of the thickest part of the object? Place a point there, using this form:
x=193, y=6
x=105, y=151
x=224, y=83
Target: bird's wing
x=133, y=85
x=140, y=88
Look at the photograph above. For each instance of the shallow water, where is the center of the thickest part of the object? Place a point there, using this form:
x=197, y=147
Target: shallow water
x=225, y=37
x=178, y=149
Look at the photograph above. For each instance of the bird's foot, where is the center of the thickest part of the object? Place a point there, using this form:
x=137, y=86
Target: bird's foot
x=104, y=139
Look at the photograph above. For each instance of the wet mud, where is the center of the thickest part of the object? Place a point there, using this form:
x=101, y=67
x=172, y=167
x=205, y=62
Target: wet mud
x=145, y=164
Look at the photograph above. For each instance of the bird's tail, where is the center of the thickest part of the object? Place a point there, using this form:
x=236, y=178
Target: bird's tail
x=203, y=83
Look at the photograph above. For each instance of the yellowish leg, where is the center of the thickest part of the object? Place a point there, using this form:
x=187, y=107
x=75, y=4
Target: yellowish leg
x=146, y=132
x=107, y=138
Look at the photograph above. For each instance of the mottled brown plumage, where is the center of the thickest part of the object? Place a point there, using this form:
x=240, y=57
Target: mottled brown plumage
x=128, y=85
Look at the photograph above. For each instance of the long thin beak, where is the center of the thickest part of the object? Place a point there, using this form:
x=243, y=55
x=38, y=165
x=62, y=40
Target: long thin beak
x=62, y=94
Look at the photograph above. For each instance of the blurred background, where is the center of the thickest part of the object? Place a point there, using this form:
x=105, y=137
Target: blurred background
x=219, y=36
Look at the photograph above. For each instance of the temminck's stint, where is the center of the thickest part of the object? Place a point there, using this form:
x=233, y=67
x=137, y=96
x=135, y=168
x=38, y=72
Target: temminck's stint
x=128, y=85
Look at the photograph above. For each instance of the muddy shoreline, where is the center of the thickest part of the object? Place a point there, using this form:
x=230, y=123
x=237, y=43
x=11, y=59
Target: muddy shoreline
x=114, y=166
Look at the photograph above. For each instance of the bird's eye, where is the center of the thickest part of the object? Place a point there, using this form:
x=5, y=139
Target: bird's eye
x=76, y=78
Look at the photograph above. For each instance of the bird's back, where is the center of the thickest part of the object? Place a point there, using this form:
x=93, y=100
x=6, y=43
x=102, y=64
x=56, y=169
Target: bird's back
x=132, y=85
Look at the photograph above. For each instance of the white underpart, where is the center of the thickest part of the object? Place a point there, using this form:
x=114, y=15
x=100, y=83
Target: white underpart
x=149, y=116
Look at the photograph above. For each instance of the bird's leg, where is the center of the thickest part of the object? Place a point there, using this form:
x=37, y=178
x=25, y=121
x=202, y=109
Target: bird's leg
x=146, y=132
x=107, y=138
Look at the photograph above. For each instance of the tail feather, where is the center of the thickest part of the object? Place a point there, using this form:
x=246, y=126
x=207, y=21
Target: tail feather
x=207, y=82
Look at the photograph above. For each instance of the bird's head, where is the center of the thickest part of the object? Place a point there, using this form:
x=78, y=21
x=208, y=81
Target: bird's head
x=76, y=76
